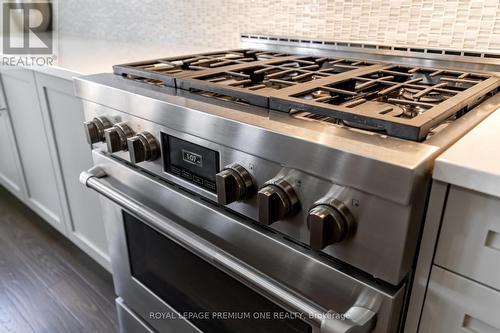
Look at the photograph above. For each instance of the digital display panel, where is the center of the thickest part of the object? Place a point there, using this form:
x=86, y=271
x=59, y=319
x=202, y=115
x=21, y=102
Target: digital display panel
x=192, y=162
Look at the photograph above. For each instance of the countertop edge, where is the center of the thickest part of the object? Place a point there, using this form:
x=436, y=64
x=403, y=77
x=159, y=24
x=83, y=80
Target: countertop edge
x=470, y=178
x=473, y=162
x=60, y=72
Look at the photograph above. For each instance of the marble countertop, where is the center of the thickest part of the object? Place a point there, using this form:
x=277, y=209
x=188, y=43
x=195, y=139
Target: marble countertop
x=473, y=162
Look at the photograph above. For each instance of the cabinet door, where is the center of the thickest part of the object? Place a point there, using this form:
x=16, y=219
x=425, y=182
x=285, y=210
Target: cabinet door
x=42, y=186
x=65, y=116
x=10, y=170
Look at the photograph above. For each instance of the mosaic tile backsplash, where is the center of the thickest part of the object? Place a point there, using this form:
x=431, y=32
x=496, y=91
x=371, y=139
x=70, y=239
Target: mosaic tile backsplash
x=471, y=24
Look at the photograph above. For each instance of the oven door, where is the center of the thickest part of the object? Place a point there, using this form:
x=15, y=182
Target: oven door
x=186, y=265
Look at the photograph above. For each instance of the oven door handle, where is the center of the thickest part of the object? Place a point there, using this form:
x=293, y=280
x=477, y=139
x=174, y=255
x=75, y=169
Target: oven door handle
x=357, y=319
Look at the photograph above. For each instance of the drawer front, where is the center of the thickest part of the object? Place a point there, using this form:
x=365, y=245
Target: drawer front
x=469, y=243
x=456, y=304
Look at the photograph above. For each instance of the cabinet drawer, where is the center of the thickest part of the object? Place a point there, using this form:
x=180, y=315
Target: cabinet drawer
x=469, y=243
x=456, y=304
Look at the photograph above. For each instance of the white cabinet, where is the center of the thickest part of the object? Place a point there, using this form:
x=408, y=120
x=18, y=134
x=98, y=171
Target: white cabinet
x=65, y=116
x=457, y=279
x=456, y=304
x=10, y=168
x=42, y=152
x=43, y=187
x=469, y=243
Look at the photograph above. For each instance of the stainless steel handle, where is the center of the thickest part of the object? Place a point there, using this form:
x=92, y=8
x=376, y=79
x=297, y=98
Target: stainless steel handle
x=357, y=319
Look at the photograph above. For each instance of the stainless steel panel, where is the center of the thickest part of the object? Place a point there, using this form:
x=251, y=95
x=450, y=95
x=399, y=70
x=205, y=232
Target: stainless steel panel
x=322, y=283
x=384, y=166
x=469, y=243
x=386, y=255
x=129, y=321
x=455, y=304
x=486, y=61
x=426, y=254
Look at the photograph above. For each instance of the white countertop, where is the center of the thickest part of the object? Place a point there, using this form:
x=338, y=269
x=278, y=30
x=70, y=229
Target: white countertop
x=473, y=162
x=77, y=56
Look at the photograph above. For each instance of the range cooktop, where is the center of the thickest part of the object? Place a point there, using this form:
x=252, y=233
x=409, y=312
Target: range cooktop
x=407, y=102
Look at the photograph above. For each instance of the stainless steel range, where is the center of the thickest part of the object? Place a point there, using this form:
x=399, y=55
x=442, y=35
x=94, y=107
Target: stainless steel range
x=275, y=188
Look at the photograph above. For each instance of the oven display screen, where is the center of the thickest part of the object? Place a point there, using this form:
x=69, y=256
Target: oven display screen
x=192, y=162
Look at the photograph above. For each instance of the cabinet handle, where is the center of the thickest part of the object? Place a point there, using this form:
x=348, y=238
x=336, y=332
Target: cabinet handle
x=493, y=240
x=472, y=324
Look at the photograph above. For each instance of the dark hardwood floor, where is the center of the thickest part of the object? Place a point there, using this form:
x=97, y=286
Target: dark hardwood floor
x=47, y=284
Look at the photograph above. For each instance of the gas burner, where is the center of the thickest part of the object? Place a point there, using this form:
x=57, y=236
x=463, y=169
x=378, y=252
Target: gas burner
x=320, y=93
x=430, y=97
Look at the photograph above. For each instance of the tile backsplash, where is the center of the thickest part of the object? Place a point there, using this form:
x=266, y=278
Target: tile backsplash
x=471, y=24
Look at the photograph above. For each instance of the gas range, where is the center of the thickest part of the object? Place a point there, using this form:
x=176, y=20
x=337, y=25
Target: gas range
x=302, y=172
x=409, y=102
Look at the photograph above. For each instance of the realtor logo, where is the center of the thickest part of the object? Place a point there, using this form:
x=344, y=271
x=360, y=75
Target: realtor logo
x=27, y=27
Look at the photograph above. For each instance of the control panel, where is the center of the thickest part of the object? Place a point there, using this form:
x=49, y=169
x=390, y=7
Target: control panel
x=284, y=199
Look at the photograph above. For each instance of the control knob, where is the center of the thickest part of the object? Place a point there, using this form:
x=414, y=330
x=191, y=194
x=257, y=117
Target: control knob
x=234, y=183
x=143, y=147
x=116, y=137
x=94, y=129
x=276, y=200
x=329, y=223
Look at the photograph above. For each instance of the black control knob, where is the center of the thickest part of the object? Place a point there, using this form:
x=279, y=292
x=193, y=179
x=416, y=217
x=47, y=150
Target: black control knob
x=234, y=183
x=116, y=137
x=276, y=200
x=328, y=223
x=94, y=129
x=143, y=147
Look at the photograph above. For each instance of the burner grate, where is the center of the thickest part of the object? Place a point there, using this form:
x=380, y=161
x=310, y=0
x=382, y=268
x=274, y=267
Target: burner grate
x=405, y=102
x=397, y=100
x=167, y=69
x=256, y=82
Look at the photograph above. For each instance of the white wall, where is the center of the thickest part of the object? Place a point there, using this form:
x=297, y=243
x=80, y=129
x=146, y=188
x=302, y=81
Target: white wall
x=460, y=24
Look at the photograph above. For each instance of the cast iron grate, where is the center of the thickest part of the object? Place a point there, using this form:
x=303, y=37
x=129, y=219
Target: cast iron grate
x=165, y=70
x=256, y=82
x=401, y=101
x=405, y=102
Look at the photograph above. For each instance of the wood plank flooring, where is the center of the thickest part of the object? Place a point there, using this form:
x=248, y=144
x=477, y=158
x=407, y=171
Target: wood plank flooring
x=47, y=284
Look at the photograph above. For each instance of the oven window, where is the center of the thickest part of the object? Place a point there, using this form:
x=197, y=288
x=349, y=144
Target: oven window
x=191, y=285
